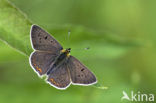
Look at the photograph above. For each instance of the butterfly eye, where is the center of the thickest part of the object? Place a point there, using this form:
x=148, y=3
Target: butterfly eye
x=69, y=49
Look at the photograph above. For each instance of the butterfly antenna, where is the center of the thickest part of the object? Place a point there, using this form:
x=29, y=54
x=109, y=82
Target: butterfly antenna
x=68, y=38
x=69, y=34
x=87, y=48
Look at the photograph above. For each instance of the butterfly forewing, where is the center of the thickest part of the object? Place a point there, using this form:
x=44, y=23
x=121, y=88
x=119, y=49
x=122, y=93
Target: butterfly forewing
x=59, y=77
x=42, y=61
x=79, y=73
x=41, y=40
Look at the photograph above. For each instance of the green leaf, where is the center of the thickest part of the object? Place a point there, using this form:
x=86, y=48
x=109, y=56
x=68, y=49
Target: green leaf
x=14, y=27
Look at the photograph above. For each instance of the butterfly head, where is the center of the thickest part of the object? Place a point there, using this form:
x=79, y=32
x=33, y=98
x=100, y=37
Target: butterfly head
x=66, y=51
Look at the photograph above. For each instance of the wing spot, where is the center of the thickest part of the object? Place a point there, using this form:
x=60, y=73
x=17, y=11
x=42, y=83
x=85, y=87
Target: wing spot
x=78, y=75
x=39, y=69
x=46, y=37
x=52, y=80
x=82, y=69
x=34, y=64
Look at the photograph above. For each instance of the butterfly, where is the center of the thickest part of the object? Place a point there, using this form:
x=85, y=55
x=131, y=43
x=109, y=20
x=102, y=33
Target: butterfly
x=50, y=59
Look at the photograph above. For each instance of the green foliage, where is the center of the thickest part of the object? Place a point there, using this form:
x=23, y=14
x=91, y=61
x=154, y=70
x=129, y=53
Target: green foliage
x=14, y=27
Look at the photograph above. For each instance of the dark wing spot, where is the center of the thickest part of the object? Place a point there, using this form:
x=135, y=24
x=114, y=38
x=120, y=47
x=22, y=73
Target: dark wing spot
x=51, y=41
x=82, y=69
x=78, y=75
x=46, y=37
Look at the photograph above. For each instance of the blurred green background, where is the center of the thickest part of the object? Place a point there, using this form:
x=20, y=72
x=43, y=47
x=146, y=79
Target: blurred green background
x=121, y=35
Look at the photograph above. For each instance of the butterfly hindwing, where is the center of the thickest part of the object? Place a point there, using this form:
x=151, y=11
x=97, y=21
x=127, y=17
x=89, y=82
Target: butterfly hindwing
x=41, y=40
x=42, y=61
x=59, y=77
x=79, y=73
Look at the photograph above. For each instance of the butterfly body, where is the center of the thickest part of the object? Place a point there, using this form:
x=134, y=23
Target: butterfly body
x=50, y=59
x=63, y=57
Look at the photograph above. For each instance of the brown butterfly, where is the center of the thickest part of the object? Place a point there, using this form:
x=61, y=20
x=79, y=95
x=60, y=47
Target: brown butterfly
x=49, y=58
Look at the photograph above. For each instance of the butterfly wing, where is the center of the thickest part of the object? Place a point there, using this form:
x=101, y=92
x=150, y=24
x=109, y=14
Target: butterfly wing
x=80, y=75
x=41, y=40
x=59, y=77
x=42, y=61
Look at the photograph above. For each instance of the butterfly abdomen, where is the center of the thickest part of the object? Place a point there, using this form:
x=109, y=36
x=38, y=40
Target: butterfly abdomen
x=60, y=59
